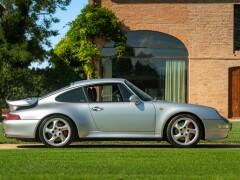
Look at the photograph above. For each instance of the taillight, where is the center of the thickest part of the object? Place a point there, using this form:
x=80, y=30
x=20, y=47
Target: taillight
x=13, y=117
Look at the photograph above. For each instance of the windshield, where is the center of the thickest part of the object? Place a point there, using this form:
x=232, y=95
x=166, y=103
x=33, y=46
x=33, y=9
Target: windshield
x=142, y=95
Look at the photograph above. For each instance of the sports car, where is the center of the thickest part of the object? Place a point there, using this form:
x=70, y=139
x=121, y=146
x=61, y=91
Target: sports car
x=110, y=109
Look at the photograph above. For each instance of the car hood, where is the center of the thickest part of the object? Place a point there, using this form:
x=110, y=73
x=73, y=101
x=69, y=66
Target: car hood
x=179, y=104
x=14, y=105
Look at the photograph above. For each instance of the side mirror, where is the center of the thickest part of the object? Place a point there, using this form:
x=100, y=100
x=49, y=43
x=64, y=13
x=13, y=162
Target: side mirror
x=135, y=99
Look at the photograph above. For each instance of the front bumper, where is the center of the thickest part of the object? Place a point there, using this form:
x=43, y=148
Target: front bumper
x=20, y=128
x=225, y=125
x=217, y=129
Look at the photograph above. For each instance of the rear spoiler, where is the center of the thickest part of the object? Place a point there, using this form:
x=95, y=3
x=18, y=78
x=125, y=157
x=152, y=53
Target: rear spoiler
x=14, y=105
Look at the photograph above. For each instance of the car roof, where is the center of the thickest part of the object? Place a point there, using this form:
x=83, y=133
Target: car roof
x=97, y=81
x=83, y=83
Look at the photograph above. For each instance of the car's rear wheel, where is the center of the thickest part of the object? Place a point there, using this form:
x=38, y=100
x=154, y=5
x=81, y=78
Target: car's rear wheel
x=56, y=131
x=184, y=131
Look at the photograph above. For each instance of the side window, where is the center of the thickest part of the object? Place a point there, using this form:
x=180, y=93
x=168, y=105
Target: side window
x=104, y=93
x=236, y=27
x=74, y=96
x=125, y=92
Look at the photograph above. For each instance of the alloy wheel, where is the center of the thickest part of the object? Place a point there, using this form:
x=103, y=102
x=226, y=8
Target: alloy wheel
x=184, y=131
x=56, y=132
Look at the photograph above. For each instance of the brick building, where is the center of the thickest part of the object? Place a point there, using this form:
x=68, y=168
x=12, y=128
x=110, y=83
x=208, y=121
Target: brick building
x=180, y=50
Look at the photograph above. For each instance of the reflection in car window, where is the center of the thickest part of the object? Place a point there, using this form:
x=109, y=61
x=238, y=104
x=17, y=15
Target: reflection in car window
x=142, y=95
x=74, y=96
x=125, y=92
x=104, y=93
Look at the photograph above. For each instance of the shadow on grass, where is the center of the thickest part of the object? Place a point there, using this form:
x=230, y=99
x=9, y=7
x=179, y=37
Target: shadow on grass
x=160, y=146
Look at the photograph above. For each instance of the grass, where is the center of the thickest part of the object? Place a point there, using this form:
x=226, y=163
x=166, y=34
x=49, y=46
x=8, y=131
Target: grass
x=142, y=161
x=120, y=163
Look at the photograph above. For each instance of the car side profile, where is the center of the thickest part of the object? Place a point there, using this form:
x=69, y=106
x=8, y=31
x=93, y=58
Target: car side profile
x=113, y=109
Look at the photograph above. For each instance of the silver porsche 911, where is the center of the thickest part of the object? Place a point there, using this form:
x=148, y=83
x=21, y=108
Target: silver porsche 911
x=113, y=109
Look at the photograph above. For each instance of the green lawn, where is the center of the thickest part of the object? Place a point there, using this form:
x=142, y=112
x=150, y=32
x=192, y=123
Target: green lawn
x=142, y=160
x=121, y=163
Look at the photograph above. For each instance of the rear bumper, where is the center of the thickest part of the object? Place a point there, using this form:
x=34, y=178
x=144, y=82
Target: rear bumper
x=217, y=129
x=20, y=128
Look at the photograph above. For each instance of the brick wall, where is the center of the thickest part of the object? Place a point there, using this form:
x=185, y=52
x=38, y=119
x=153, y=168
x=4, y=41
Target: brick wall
x=204, y=27
x=208, y=82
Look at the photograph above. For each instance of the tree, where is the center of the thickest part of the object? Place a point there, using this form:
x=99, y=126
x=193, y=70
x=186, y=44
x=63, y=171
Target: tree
x=79, y=49
x=23, y=83
x=25, y=28
x=24, y=31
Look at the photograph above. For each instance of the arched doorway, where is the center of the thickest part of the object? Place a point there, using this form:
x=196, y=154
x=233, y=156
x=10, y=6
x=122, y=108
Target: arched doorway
x=234, y=92
x=154, y=61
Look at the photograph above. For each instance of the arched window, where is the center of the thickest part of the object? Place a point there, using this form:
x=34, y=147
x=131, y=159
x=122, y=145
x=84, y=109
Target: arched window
x=154, y=61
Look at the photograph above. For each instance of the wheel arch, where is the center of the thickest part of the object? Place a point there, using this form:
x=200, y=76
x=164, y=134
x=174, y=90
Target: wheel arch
x=55, y=114
x=181, y=113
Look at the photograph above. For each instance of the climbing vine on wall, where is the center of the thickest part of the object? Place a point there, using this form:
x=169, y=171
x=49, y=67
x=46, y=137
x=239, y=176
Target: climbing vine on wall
x=79, y=48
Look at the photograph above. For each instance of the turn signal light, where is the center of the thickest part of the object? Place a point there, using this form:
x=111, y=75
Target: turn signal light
x=13, y=117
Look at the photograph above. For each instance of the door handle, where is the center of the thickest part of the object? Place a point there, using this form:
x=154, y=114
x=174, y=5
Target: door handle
x=97, y=109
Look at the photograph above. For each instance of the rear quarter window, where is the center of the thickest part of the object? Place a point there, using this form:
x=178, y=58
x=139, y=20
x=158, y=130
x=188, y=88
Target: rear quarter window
x=72, y=96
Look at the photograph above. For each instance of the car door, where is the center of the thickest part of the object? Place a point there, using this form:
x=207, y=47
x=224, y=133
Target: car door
x=112, y=112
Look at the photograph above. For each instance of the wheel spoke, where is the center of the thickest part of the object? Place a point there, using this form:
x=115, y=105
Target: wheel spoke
x=187, y=138
x=178, y=136
x=192, y=131
x=47, y=130
x=186, y=123
x=52, y=140
x=62, y=128
x=55, y=122
x=62, y=137
x=177, y=127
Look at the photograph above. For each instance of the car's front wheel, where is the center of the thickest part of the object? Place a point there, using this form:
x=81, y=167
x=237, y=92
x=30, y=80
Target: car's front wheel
x=56, y=131
x=184, y=131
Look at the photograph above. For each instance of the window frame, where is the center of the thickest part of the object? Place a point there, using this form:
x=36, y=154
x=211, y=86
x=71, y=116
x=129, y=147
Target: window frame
x=69, y=90
x=109, y=59
x=236, y=29
x=105, y=84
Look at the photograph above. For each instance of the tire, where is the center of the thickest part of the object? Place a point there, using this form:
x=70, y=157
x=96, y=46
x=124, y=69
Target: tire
x=184, y=131
x=56, y=131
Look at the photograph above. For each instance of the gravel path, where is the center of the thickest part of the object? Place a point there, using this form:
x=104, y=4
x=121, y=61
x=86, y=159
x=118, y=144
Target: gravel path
x=9, y=146
x=161, y=146
x=20, y=146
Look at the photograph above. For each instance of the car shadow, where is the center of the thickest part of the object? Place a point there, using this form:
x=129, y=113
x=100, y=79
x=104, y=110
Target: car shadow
x=160, y=146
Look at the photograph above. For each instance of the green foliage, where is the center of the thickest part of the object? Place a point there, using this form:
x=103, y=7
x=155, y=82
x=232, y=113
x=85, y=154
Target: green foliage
x=79, y=48
x=19, y=83
x=24, y=31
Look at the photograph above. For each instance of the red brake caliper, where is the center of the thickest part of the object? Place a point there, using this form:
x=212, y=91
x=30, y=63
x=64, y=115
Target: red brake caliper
x=191, y=126
x=65, y=132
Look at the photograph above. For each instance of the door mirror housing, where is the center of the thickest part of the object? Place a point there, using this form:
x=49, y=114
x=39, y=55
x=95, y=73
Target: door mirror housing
x=135, y=99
